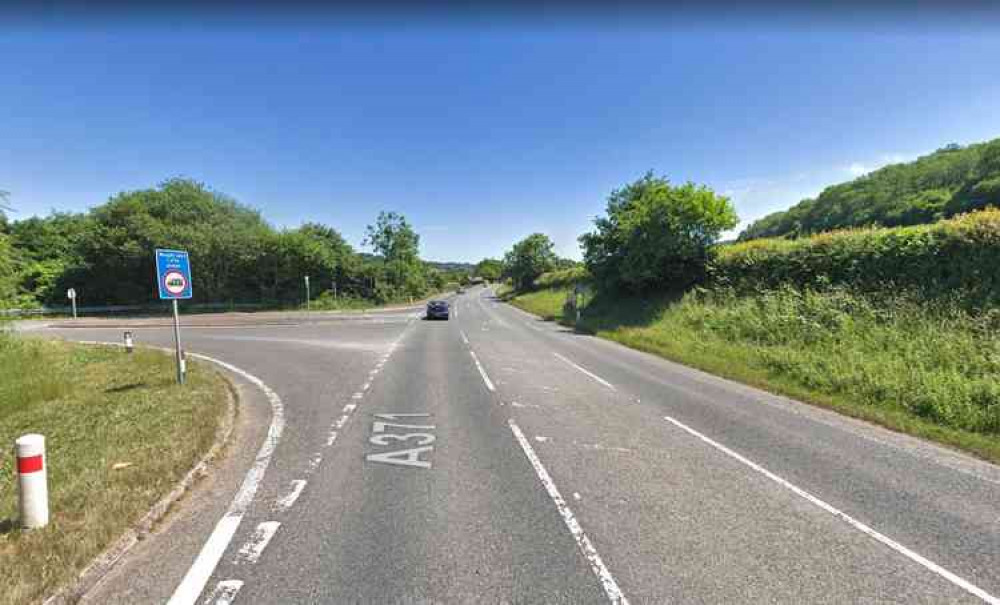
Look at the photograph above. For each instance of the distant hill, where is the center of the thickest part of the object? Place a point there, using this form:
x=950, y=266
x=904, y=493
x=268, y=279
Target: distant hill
x=452, y=266
x=439, y=265
x=950, y=181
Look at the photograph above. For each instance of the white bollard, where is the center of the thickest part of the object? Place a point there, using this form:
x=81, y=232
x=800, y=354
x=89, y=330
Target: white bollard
x=32, y=481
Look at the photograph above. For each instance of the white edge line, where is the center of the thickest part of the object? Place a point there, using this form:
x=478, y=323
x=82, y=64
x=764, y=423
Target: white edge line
x=611, y=588
x=587, y=372
x=255, y=546
x=204, y=565
x=289, y=499
x=896, y=546
x=225, y=592
x=482, y=372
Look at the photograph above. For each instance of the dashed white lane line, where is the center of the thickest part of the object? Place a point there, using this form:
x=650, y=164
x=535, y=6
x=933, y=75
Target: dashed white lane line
x=286, y=501
x=587, y=372
x=224, y=592
x=204, y=565
x=896, y=546
x=465, y=338
x=482, y=372
x=611, y=588
x=255, y=546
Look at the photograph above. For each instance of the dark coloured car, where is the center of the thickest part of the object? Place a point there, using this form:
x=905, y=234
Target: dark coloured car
x=437, y=309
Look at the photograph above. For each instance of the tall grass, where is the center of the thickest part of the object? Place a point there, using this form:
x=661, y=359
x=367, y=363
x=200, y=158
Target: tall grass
x=97, y=407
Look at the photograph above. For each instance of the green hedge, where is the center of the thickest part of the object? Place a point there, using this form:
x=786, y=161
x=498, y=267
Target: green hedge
x=959, y=258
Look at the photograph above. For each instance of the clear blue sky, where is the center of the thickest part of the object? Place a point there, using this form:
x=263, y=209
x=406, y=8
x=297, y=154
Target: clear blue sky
x=479, y=134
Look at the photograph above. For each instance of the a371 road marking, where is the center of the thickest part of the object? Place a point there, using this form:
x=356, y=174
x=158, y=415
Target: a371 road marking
x=896, y=546
x=408, y=456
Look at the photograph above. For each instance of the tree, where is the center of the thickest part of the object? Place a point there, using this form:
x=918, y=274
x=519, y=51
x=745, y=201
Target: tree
x=656, y=235
x=489, y=269
x=528, y=259
x=392, y=238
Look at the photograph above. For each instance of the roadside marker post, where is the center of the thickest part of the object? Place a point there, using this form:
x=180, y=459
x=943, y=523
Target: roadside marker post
x=128, y=341
x=173, y=277
x=307, y=293
x=32, y=481
x=71, y=295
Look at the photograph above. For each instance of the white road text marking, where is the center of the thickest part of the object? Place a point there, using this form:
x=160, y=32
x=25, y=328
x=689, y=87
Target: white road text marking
x=289, y=499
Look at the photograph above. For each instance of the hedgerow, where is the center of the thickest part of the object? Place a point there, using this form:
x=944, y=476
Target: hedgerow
x=955, y=258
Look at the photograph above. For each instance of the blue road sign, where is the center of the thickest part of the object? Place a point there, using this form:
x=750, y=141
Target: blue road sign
x=173, y=274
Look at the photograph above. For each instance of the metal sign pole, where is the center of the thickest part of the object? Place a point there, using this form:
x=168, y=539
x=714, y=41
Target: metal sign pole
x=307, y=293
x=177, y=343
x=73, y=302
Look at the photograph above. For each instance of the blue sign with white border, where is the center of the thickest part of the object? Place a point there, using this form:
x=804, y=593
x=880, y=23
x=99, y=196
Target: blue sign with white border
x=173, y=274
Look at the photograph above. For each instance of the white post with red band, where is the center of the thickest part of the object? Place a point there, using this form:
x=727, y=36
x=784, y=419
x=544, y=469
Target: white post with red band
x=32, y=481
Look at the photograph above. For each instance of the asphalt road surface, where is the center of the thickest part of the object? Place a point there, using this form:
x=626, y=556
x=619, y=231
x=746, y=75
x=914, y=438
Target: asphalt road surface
x=495, y=458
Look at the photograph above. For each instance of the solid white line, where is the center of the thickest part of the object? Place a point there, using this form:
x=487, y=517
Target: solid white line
x=611, y=588
x=224, y=593
x=588, y=373
x=482, y=372
x=896, y=546
x=201, y=570
x=289, y=499
x=255, y=546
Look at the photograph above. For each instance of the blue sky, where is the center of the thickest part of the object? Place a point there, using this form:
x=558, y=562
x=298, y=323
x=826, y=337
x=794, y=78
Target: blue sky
x=480, y=135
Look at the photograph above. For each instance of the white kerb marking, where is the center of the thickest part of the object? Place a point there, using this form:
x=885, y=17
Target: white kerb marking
x=204, y=565
x=611, y=588
x=254, y=547
x=587, y=372
x=896, y=546
x=482, y=372
x=289, y=499
x=224, y=592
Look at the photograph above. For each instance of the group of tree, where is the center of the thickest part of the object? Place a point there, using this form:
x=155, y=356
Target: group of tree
x=950, y=181
x=654, y=236
x=106, y=254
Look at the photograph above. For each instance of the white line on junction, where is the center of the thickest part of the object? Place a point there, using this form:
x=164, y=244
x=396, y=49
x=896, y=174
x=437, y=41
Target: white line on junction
x=255, y=546
x=289, y=499
x=482, y=372
x=611, y=588
x=201, y=570
x=224, y=593
x=896, y=546
x=587, y=372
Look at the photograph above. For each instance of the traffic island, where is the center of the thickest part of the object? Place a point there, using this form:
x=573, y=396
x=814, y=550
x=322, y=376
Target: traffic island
x=120, y=434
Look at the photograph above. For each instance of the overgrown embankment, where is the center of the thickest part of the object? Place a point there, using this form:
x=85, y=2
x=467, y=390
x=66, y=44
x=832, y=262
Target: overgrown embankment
x=119, y=433
x=897, y=326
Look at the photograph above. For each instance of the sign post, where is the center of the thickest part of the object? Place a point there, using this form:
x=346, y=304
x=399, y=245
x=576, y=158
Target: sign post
x=71, y=295
x=173, y=278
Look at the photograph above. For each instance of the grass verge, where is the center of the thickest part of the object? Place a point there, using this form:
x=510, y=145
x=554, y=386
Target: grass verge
x=926, y=370
x=119, y=434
